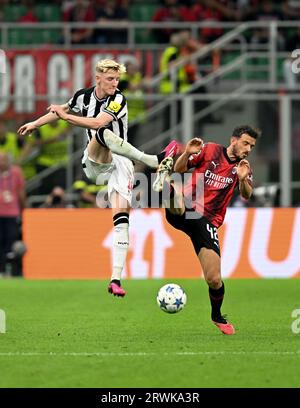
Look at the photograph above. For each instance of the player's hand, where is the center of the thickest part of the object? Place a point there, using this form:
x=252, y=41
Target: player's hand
x=243, y=169
x=60, y=112
x=27, y=129
x=194, y=146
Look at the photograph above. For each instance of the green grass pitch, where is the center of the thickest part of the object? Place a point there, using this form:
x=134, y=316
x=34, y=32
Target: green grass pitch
x=74, y=334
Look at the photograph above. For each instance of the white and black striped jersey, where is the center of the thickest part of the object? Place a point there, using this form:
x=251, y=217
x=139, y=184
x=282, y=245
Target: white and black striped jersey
x=86, y=103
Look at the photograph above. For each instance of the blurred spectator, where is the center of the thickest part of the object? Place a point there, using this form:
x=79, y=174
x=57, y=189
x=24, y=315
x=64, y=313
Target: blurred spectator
x=87, y=193
x=132, y=84
x=178, y=82
x=266, y=196
x=290, y=77
x=12, y=203
x=56, y=199
x=204, y=13
x=211, y=11
x=9, y=141
x=171, y=11
x=2, y=19
x=244, y=7
x=19, y=149
x=291, y=9
x=181, y=45
x=110, y=14
x=29, y=16
x=51, y=139
x=266, y=11
x=293, y=41
x=81, y=11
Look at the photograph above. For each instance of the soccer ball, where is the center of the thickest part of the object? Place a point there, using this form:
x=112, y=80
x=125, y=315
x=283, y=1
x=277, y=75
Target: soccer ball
x=171, y=298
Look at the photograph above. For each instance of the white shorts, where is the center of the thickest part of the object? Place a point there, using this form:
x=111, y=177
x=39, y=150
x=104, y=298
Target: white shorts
x=118, y=175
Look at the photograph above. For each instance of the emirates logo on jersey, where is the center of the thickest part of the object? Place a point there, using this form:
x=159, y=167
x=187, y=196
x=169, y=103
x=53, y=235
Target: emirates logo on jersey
x=216, y=180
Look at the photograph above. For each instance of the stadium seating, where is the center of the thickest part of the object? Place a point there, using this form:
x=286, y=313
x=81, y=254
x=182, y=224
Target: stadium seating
x=22, y=36
x=139, y=13
x=13, y=12
x=48, y=13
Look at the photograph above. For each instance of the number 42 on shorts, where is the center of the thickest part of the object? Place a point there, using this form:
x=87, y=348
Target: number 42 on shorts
x=213, y=232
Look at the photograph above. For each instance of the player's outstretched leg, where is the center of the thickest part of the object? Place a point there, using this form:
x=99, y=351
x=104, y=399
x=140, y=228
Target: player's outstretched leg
x=105, y=137
x=120, y=146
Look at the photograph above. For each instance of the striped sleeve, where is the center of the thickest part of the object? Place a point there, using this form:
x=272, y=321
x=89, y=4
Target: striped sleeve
x=75, y=103
x=116, y=106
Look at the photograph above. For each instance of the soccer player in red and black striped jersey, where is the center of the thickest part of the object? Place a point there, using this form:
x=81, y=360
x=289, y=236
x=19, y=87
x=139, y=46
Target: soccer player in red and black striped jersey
x=222, y=170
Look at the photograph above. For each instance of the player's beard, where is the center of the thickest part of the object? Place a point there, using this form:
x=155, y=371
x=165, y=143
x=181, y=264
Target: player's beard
x=237, y=155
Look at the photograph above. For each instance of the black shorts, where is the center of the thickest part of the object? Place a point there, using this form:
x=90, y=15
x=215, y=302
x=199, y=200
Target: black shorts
x=202, y=232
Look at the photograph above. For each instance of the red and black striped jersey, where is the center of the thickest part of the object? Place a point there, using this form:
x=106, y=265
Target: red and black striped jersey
x=215, y=174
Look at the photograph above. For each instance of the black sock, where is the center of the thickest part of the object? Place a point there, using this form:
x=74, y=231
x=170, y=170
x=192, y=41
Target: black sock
x=116, y=281
x=160, y=157
x=216, y=299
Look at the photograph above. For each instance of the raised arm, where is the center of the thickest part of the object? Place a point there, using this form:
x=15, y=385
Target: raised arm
x=194, y=146
x=29, y=127
x=101, y=120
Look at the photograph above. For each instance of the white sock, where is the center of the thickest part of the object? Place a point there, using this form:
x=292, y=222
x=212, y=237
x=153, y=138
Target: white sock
x=117, y=145
x=120, y=249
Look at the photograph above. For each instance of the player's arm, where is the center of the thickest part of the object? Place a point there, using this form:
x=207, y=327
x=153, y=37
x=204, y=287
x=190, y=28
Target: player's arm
x=244, y=175
x=43, y=120
x=103, y=119
x=194, y=146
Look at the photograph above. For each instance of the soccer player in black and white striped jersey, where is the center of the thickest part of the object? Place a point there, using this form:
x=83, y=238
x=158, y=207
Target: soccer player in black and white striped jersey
x=102, y=111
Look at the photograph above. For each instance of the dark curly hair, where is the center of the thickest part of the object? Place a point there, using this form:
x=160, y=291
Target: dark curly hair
x=239, y=130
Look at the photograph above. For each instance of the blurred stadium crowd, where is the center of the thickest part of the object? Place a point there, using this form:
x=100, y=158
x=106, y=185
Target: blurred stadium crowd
x=123, y=12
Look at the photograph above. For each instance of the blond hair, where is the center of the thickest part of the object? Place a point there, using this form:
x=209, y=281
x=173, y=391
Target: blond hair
x=107, y=64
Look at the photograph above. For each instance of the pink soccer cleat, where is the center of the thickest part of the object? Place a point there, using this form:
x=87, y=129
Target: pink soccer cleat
x=116, y=290
x=173, y=148
x=224, y=325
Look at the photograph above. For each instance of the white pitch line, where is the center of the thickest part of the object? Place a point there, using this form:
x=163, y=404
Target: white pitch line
x=145, y=354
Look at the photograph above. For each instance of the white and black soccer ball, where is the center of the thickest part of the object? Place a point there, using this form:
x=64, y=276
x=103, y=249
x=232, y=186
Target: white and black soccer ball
x=171, y=298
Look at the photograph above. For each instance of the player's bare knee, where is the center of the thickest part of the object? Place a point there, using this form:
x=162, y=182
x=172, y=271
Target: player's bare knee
x=213, y=281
